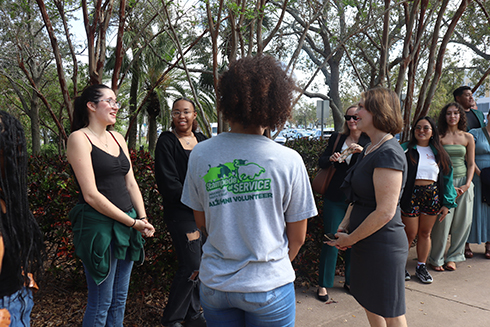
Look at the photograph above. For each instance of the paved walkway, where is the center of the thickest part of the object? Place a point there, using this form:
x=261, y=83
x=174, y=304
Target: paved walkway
x=456, y=298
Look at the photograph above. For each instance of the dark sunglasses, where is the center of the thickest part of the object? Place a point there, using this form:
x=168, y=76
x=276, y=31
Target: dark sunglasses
x=349, y=117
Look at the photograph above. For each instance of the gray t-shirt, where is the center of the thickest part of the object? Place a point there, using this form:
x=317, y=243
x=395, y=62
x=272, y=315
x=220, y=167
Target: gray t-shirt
x=248, y=187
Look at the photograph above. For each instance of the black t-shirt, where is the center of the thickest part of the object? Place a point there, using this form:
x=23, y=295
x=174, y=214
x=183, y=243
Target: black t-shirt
x=471, y=120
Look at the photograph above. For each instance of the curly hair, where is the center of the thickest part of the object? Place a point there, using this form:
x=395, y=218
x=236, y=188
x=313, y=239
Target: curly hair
x=80, y=112
x=20, y=232
x=442, y=158
x=256, y=91
x=442, y=122
x=384, y=105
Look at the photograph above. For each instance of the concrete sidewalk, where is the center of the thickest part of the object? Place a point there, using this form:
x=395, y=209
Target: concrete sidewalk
x=456, y=298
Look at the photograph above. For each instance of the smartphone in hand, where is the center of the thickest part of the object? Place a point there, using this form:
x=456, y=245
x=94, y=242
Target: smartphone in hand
x=329, y=237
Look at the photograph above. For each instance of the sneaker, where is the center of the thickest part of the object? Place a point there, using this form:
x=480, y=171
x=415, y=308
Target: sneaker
x=422, y=274
x=407, y=275
x=198, y=321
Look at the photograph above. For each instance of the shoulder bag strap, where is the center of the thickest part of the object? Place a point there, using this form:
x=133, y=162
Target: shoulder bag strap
x=336, y=142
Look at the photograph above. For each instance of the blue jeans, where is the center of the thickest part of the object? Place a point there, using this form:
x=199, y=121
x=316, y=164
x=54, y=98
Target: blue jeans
x=19, y=306
x=276, y=308
x=107, y=301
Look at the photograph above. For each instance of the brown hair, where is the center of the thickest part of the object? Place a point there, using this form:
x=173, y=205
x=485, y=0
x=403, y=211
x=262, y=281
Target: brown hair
x=442, y=122
x=384, y=105
x=256, y=91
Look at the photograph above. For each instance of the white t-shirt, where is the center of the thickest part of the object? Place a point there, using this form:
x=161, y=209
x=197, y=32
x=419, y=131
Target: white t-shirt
x=248, y=187
x=427, y=167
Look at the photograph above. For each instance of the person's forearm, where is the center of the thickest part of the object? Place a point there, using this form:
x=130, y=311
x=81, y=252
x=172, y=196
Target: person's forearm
x=344, y=225
x=294, y=248
x=469, y=174
x=296, y=234
x=374, y=222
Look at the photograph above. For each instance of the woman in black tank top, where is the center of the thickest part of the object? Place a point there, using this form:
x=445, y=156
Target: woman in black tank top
x=110, y=218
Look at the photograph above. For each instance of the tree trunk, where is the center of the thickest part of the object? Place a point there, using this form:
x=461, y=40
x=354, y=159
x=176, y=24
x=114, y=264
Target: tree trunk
x=35, y=129
x=133, y=106
x=334, y=94
x=153, y=110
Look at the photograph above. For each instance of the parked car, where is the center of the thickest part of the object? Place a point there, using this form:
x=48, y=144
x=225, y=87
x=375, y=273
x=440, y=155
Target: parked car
x=326, y=134
x=281, y=137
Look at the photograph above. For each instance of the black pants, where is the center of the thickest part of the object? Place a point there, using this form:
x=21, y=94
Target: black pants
x=183, y=302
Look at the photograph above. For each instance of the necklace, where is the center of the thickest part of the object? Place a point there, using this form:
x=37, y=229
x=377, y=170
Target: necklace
x=181, y=137
x=106, y=145
x=376, y=145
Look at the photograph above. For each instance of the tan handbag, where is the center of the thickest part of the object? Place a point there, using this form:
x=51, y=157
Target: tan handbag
x=322, y=179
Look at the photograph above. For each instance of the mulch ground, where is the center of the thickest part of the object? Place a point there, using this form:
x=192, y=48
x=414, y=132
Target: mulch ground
x=59, y=305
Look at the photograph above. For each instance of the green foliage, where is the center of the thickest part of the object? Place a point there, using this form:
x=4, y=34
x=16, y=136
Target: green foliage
x=53, y=192
x=308, y=259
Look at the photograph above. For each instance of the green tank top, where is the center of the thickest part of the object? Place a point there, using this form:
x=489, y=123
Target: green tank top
x=457, y=152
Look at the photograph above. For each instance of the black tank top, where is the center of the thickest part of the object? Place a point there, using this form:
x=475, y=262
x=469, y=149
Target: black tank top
x=110, y=173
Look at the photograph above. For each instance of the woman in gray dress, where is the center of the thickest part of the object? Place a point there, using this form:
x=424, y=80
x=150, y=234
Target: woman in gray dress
x=372, y=225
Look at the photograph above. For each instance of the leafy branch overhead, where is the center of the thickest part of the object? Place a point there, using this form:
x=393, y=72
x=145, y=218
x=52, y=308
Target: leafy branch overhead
x=161, y=50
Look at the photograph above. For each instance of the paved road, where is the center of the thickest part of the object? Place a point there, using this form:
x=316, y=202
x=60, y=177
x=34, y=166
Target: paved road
x=456, y=298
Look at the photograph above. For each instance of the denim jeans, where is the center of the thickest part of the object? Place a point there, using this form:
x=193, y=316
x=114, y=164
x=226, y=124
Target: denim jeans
x=275, y=308
x=183, y=301
x=107, y=301
x=19, y=306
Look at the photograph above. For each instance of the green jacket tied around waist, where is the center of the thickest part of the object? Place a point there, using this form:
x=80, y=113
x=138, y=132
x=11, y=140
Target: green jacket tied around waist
x=93, y=235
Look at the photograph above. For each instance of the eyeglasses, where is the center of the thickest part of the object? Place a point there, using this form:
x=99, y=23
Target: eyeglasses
x=349, y=117
x=178, y=113
x=425, y=128
x=113, y=103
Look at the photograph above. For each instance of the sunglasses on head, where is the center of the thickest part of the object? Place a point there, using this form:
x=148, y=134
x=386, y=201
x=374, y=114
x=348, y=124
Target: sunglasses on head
x=349, y=117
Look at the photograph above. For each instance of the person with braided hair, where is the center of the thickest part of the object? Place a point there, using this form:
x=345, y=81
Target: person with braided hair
x=19, y=232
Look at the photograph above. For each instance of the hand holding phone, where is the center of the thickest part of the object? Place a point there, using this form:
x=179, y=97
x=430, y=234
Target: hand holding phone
x=329, y=237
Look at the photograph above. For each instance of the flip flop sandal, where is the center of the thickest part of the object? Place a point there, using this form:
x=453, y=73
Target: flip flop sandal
x=437, y=268
x=450, y=268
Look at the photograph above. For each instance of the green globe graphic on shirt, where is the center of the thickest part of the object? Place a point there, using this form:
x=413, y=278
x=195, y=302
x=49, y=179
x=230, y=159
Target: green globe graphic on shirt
x=238, y=177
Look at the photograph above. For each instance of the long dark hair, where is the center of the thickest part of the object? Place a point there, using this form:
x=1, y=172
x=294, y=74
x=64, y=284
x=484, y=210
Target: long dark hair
x=442, y=158
x=442, y=122
x=80, y=112
x=20, y=232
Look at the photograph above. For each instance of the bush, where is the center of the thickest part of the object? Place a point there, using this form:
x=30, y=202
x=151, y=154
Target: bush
x=53, y=192
x=308, y=259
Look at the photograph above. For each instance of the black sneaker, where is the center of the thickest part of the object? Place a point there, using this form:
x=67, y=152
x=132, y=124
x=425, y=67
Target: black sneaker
x=198, y=321
x=407, y=275
x=422, y=274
